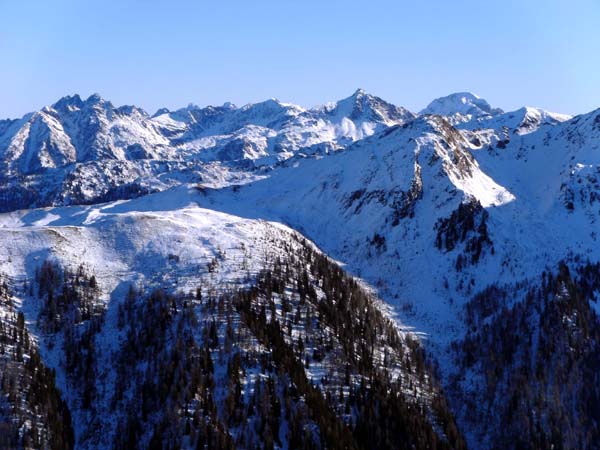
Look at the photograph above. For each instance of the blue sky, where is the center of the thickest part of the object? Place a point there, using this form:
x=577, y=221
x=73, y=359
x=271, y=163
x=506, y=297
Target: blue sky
x=159, y=53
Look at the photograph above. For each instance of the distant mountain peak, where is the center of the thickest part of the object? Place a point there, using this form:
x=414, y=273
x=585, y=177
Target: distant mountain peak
x=360, y=92
x=75, y=101
x=95, y=98
x=358, y=96
x=270, y=102
x=535, y=111
x=271, y=107
x=68, y=101
x=461, y=105
x=363, y=106
x=160, y=112
x=131, y=109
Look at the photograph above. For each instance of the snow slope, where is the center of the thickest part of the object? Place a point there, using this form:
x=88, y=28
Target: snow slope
x=146, y=240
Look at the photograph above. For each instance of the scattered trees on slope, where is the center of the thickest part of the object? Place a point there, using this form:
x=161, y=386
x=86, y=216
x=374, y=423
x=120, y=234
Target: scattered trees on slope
x=537, y=362
x=32, y=413
x=304, y=358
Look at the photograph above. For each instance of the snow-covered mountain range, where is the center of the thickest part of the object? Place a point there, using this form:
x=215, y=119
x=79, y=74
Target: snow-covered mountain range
x=82, y=151
x=452, y=219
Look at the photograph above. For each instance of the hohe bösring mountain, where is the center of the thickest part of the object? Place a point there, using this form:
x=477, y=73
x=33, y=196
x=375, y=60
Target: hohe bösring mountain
x=355, y=276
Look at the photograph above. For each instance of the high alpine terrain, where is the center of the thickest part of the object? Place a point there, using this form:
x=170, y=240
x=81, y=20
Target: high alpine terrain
x=353, y=275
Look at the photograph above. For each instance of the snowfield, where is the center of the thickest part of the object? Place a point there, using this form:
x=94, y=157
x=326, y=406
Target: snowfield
x=156, y=240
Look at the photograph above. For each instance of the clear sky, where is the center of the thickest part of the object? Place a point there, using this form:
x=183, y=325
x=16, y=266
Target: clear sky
x=170, y=53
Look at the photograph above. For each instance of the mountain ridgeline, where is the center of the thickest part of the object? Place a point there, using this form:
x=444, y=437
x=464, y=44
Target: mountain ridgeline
x=353, y=275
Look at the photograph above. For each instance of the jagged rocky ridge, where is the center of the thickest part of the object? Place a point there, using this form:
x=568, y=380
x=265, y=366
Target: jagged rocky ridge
x=85, y=151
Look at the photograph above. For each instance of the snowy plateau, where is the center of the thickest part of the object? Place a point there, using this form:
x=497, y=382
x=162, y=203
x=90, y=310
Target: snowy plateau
x=353, y=275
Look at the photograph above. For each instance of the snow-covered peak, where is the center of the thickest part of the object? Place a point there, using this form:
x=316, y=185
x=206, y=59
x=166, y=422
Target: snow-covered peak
x=364, y=107
x=73, y=103
x=357, y=98
x=69, y=102
x=96, y=99
x=531, y=118
x=349, y=105
x=271, y=109
x=554, y=115
x=461, y=107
